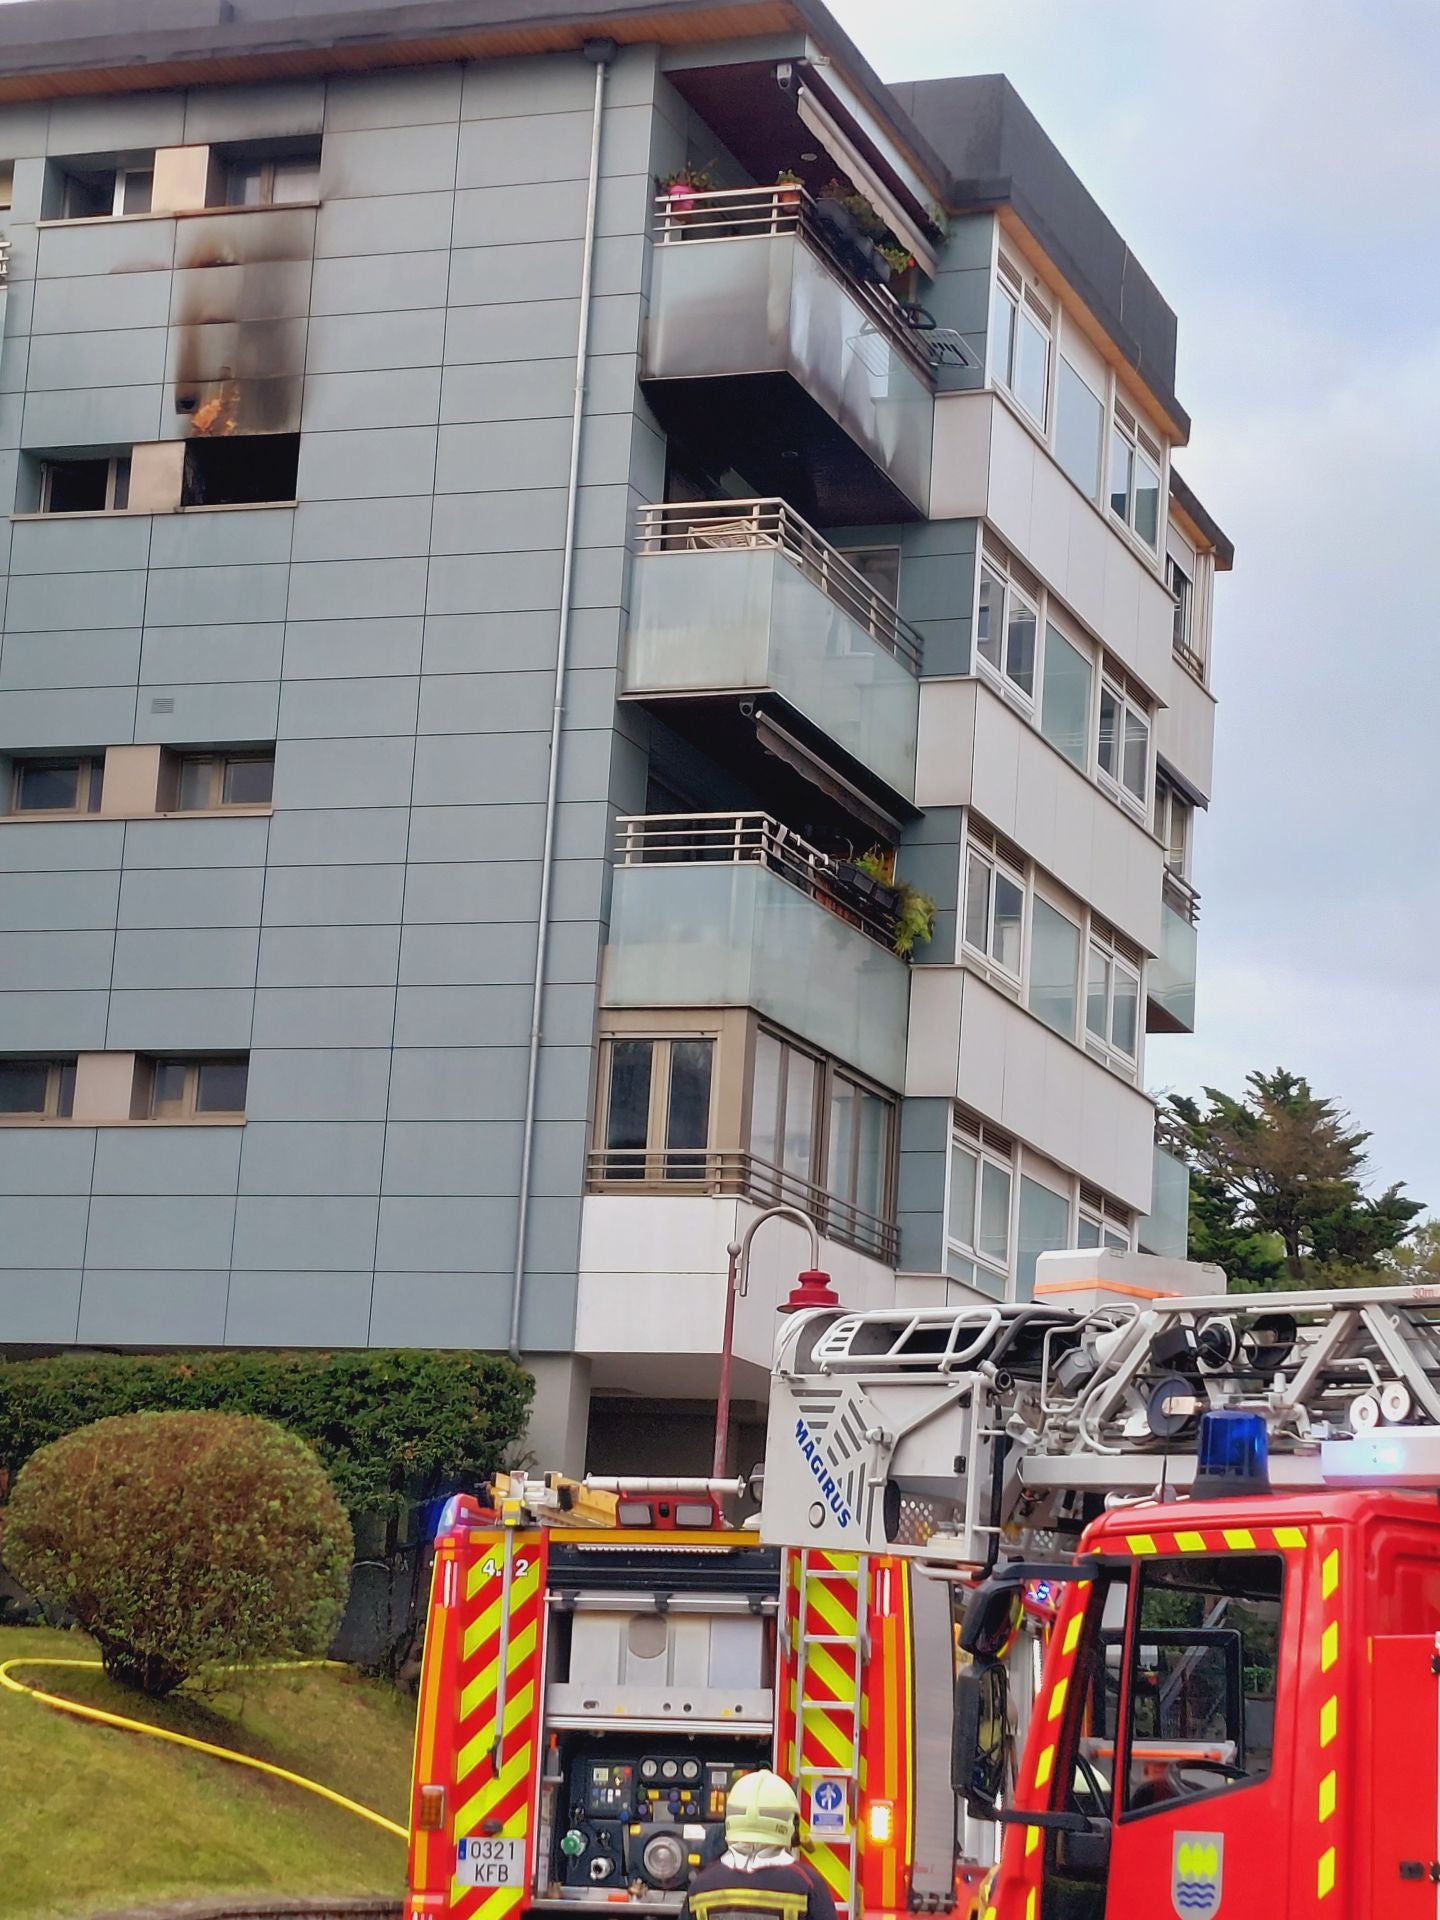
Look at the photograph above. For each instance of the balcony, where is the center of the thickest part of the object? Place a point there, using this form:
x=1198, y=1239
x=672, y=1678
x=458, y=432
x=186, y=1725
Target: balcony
x=744, y=596
x=771, y=334
x=1170, y=977
x=1165, y=1230
x=734, y=910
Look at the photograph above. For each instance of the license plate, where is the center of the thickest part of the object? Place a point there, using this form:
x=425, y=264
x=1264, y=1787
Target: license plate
x=489, y=1861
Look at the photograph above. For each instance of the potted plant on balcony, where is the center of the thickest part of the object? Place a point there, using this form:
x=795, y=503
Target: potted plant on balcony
x=914, y=912
x=680, y=190
x=788, y=190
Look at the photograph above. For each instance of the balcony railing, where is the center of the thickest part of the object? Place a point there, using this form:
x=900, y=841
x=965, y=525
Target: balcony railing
x=754, y=839
x=1190, y=659
x=738, y=213
x=1179, y=894
x=727, y=1172
x=690, y=527
x=4, y=260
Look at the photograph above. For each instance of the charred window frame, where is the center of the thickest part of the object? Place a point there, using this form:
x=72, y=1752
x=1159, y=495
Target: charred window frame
x=240, y=470
x=211, y=781
x=280, y=174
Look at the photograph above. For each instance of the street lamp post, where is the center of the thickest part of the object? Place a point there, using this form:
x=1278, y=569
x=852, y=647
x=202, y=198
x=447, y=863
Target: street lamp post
x=812, y=1289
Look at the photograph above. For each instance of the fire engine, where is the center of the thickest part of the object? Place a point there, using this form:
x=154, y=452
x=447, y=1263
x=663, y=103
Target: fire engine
x=1234, y=1501
x=603, y=1659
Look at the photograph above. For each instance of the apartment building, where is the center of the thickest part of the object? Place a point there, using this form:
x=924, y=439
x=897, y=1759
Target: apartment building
x=463, y=822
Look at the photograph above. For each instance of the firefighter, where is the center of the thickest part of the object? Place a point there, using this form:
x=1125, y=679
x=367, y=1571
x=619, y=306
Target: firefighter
x=759, y=1873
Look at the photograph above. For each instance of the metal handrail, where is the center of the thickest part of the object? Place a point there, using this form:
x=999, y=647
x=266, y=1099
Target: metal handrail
x=1188, y=657
x=1182, y=896
x=688, y=526
x=741, y=213
x=727, y=1172
x=751, y=839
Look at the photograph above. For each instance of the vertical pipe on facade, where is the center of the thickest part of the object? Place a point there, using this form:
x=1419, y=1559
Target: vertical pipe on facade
x=600, y=52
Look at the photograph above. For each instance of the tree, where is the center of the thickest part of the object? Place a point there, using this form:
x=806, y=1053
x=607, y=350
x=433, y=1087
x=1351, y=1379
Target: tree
x=1417, y=1263
x=1275, y=1192
x=183, y=1540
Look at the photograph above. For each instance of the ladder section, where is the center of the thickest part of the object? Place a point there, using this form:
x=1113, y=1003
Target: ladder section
x=827, y=1631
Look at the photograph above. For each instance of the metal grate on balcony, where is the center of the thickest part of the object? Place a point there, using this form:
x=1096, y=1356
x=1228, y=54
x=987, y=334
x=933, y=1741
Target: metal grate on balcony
x=1180, y=895
x=754, y=839
x=727, y=1172
x=741, y=213
x=690, y=526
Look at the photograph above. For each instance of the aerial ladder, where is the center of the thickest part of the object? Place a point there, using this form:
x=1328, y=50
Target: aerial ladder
x=1231, y=1503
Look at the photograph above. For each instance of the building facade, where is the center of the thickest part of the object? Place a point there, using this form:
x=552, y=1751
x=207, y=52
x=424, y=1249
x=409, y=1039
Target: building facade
x=529, y=552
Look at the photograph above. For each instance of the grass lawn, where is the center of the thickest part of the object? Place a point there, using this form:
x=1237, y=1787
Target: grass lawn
x=94, y=1818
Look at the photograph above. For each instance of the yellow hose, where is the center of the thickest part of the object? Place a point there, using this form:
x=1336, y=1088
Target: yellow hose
x=104, y=1719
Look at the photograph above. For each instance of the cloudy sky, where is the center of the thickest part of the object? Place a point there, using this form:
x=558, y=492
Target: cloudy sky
x=1277, y=169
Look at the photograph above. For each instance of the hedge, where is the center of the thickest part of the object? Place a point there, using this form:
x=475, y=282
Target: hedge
x=391, y=1427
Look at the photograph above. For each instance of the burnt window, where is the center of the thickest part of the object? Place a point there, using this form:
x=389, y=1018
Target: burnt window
x=98, y=192
x=171, y=1088
x=283, y=175
x=206, y=782
x=99, y=485
x=243, y=469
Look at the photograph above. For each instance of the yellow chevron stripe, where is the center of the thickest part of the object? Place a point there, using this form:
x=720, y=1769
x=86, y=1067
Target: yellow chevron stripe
x=498, y=1901
x=479, y=1744
x=822, y=1661
x=840, y=1616
x=491, y=1792
x=817, y=1726
x=833, y=1870
x=481, y=1690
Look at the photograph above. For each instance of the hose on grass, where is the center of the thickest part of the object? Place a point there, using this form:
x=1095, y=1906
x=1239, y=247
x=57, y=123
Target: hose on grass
x=104, y=1719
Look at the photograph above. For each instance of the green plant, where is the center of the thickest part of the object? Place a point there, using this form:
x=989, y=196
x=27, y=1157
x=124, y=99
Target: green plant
x=900, y=258
x=785, y=178
x=915, y=914
x=392, y=1427
x=182, y=1541
x=693, y=177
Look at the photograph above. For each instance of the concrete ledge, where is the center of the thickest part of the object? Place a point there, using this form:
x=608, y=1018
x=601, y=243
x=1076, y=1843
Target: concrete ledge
x=349, y=1906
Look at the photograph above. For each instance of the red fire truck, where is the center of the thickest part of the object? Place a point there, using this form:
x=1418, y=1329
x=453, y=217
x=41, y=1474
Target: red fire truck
x=1239, y=1711
x=600, y=1666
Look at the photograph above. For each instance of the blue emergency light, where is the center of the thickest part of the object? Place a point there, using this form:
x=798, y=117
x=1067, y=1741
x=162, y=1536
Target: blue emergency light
x=1234, y=1456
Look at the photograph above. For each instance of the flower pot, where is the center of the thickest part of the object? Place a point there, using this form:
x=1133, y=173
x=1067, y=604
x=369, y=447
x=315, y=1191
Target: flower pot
x=787, y=195
x=680, y=203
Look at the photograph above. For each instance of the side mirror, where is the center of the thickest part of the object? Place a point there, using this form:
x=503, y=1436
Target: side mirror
x=991, y=1614
x=977, y=1750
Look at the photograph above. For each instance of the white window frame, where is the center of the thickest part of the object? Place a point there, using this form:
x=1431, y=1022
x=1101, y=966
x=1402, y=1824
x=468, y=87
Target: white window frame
x=1100, y=944
x=1172, y=808
x=1010, y=594
x=1130, y=708
x=88, y=766
x=1027, y=299
x=1125, y=423
x=1114, y=1225
x=996, y=865
x=974, y=1141
x=117, y=483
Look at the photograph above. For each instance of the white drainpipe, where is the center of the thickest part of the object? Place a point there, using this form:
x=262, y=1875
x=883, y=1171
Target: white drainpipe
x=601, y=53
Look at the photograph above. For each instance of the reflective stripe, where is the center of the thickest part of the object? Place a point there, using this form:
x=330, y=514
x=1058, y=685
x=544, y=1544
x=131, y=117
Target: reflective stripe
x=715, y=1901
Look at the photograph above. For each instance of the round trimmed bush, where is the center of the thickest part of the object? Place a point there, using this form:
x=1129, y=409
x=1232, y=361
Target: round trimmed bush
x=183, y=1540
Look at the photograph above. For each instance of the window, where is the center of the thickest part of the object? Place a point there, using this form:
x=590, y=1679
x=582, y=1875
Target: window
x=37, y=1089
x=1173, y=816
x=1182, y=585
x=190, y=1089
x=1124, y=747
x=656, y=1119
x=1054, y=968
x=272, y=180
x=1079, y=429
x=1020, y=340
x=85, y=486
x=994, y=899
x=70, y=785
x=7, y=185
x=95, y=193
x=1044, y=1227
x=1065, y=698
x=205, y=782
x=1135, y=462
x=1203, y=1676
x=879, y=567
x=1006, y=622
x=240, y=470
x=859, y=1149
x=822, y=1138
x=977, y=1214
x=783, y=1106
x=1103, y=1222
x=1112, y=993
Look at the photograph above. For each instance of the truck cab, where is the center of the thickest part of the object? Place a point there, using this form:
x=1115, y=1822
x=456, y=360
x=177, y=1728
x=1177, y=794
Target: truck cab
x=1238, y=1715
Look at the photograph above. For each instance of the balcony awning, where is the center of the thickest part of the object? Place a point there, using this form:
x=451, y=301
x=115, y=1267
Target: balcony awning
x=848, y=157
x=779, y=741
